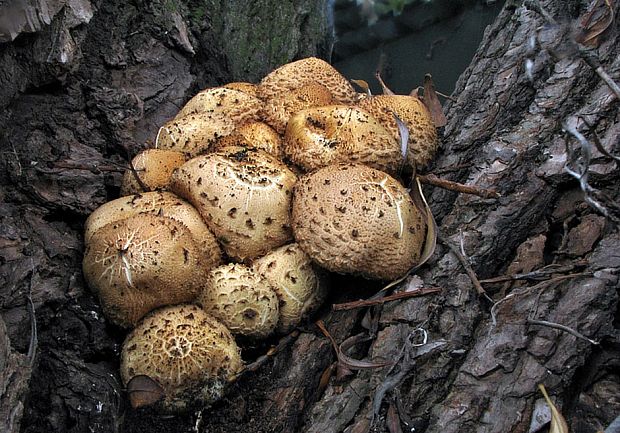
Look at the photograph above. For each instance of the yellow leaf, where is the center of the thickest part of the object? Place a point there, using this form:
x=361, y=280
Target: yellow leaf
x=558, y=423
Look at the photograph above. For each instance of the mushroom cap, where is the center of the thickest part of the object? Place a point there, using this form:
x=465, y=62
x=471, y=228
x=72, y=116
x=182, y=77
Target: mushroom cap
x=423, y=139
x=140, y=263
x=222, y=102
x=253, y=134
x=320, y=136
x=188, y=353
x=244, y=195
x=359, y=220
x=294, y=75
x=300, y=285
x=164, y=204
x=154, y=167
x=241, y=299
x=194, y=134
x=278, y=110
x=248, y=88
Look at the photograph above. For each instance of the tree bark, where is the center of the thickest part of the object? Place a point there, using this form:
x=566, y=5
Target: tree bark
x=89, y=88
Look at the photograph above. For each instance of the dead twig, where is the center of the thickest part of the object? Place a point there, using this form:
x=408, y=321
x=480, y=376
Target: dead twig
x=262, y=360
x=95, y=169
x=562, y=328
x=34, y=340
x=431, y=179
x=400, y=295
x=411, y=351
x=539, y=274
x=136, y=176
x=580, y=172
x=525, y=290
x=468, y=269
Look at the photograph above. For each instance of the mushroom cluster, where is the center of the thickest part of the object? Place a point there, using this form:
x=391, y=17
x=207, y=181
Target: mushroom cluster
x=228, y=228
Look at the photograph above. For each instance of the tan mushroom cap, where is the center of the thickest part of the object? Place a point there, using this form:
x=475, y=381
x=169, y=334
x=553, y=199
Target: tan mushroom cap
x=278, y=110
x=189, y=354
x=241, y=299
x=244, y=195
x=222, y=102
x=154, y=167
x=158, y=203
x=248, y=88
x=355, y=219
x=423, y=139
x=300, y=285
x=141, y=263
x=194, y=134
x=320, y=136
x=253, y=134
x=296, y=74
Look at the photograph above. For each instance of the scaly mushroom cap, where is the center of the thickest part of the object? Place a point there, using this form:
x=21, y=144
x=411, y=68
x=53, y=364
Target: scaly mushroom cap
x=154, y=167
x=189, y=354
x=423, y=140
x=253, y=134
x=164, y=204
x=247, y=88
x=300, y=285
x=294, y=75
x=243, y=194
x=355, y=219
x=320, y=136
x=222, y=102
x=194, y=134
x=141, y=263
x=278, y=110
x=241, y=299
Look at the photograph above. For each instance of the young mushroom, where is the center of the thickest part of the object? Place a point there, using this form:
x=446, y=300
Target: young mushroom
x=223, y=102
x=300, y=285
x=278, y=110
x=140, y=263
x=355, y=219
x=423, y=139
x=189, y=355
x=154, y=168
x=194, y=134
x=320, y=136
x=244, y=195
x=241, y=299
x=295, y=74
x=164, y=204
x=253, y=134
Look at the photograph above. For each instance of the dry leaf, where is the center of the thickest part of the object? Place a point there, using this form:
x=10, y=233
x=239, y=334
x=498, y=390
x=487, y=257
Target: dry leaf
x=143, y=391
x=393, y=420
x=346, y=363
x=363, y=85
x=384, y=87
x=596, y=20
x=403, y=133
x=431, y=226
x=432, y=102
x=558, y=423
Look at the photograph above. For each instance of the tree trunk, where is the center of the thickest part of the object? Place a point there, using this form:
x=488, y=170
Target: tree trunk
x=96, y=79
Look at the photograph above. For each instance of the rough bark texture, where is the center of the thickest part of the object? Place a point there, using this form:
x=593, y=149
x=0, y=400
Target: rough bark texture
x=87, y=88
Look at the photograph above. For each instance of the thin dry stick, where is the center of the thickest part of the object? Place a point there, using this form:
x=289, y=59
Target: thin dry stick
x=92, y=168
x=431, y=179
x=467, y=266
x=538, y=274
x=562, y=328
x=262, y=360
x=400, y=295
x=524, y=290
